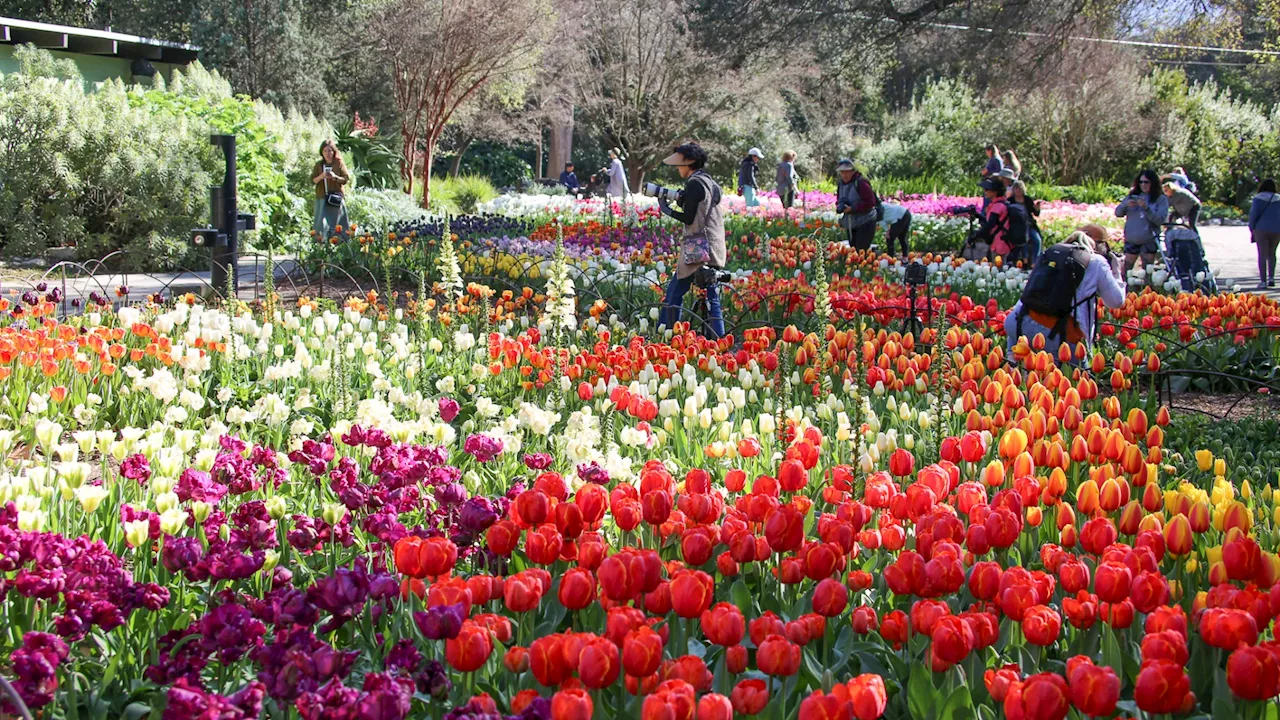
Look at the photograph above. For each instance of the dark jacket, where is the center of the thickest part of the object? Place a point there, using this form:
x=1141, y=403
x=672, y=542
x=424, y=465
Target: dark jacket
x=856, y=194
x=569, y=180
x=747, y=173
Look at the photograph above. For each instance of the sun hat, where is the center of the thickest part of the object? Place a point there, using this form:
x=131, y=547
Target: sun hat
x=844, y=164
x=1008, y=174
x=756, y=152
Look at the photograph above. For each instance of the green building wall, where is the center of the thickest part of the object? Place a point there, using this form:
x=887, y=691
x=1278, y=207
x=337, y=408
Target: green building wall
x=94, y=68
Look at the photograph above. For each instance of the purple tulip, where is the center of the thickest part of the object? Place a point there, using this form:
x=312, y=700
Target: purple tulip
x=448, y=409
x=442, y=622
x=537, y=461
x=482, y=447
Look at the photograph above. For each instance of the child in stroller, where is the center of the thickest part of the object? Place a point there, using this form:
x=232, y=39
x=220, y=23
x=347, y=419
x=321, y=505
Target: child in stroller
x=1185, y=254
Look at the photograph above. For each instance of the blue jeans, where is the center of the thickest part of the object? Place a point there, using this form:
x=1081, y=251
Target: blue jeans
x=749, y=195
x=1032, y=250
x=671, y=306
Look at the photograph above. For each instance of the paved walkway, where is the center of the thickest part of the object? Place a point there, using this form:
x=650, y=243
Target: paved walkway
x=1229, y=251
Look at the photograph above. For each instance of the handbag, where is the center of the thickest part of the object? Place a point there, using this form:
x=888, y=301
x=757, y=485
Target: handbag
x=695, y=248
x=332, y=199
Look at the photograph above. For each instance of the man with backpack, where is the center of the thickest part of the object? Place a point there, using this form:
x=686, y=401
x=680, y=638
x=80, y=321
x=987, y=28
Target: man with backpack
x=1058, y=300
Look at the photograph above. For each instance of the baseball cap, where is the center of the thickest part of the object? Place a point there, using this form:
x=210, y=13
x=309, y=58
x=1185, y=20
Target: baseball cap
x=756, y=152
x=991, y=184
x=844, y=164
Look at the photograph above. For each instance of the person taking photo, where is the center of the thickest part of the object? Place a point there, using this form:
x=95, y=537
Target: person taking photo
x=702, y=250
x=1144, y=210
x=1059, y=301
x=856, y=205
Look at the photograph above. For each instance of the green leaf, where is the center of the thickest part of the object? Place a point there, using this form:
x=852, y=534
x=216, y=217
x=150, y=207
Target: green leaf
x=1111, y=656
x=741, y=597
x=136, y=711
x=922, y=698
x=959, y=705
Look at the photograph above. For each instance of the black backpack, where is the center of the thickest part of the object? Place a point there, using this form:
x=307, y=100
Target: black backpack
x=1016, y=232
x=879, y=202
x=1051, y=286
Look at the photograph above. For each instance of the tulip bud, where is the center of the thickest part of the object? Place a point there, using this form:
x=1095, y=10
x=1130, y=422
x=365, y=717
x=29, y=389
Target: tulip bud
x=200, y=510
x=276, y=507
x=137, y=532
x=333, y=513
x=173, y=520
x=90, y=497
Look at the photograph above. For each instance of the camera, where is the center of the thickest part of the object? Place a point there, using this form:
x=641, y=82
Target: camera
x=916, y=274
x=668, y=195
x=707, y=276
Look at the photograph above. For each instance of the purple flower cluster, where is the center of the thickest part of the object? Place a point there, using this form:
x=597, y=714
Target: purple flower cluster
x=35, y=667
x=188, y=700
x=482, y=447
x=383, y=697
x=94, y=587
x=315, y=454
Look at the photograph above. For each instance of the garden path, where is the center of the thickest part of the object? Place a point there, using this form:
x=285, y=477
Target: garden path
x=1228, y=249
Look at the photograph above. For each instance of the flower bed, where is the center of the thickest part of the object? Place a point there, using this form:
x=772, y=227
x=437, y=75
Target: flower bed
x=472, y=506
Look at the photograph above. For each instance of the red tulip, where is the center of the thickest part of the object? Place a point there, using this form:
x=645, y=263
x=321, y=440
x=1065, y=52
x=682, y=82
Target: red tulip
x=999, y=681
x=598, y=663
x=868, y=696
x=714, y=706
x=894, y=627
x=778, y=656
x=572, y=704
x=1162, y=687
x=1044, y=696
x=735, y=659
x=547, y=660
x=577, y=589
x=642, y=652
x=1228, y=628
x=470, y=649
x=830, y=598
x=952, y=639
x=749, y=696
x=902, y=463
x=763, y=626
x=723, y=624
x=1095, y=690
x=1112, y=580
x=1041, y=625
x=691, y=593
x=1253, y=673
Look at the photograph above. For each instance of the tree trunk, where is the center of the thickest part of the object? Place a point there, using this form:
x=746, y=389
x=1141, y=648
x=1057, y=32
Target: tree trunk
x=635, y=173
x=427, y=156
x=457, y=158
x=560, y=150
x=537, y=159
x=407, y=144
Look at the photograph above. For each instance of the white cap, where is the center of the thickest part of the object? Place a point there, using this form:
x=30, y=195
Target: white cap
x=756, y=152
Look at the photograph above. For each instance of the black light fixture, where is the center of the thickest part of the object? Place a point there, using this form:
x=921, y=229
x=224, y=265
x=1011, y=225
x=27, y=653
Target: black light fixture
x=141, y=67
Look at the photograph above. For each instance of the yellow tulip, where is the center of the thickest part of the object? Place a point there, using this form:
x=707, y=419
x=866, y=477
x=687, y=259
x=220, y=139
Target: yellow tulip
x=1213, y=554
x=1192, y=565
x=1219, y=467
x=1204, y=460
x=1246, y=492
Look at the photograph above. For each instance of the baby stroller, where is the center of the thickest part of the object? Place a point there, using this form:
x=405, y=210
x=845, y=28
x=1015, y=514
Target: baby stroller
x=1185, y=255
